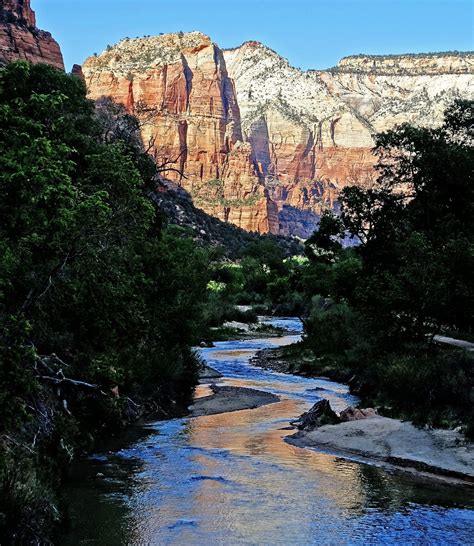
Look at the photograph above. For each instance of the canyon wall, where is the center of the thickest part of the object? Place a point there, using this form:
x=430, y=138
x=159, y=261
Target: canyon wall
x=178, y=86
x=313, y=131
x=20, y=39
x=262, y=144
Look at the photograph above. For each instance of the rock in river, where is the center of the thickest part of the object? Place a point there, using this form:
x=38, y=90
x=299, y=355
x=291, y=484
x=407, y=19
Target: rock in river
x=320, y=414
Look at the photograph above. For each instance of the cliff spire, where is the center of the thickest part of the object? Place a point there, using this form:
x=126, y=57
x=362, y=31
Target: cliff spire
x=21, y=9
x=19, y=41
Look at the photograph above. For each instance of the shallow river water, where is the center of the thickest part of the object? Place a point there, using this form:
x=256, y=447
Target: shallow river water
x=232, y=479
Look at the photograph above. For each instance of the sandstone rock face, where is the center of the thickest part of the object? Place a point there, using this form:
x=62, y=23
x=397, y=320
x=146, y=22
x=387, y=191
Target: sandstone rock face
x=355, y=414
x=20, y=9
x=178, y=86
x=313, y=132
x=20, y=39
x=262, y=144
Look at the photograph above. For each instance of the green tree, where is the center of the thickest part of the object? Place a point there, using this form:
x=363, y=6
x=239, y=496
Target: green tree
x=408, y=278
x=92, y=286
x=416, y=227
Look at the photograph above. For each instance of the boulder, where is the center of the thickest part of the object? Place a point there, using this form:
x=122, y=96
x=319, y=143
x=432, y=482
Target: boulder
x=320, y=414
x=355, y=414
x=206, y=372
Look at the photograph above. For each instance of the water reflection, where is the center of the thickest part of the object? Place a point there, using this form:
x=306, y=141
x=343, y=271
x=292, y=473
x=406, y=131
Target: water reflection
x=232, y=479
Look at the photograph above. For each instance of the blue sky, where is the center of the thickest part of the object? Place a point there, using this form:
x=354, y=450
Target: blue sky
x=310, y=33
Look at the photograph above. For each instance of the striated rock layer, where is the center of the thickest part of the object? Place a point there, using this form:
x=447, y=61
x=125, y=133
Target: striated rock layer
x=20, y=39
x=178, y=86
x=262, y=144
x=313, y=132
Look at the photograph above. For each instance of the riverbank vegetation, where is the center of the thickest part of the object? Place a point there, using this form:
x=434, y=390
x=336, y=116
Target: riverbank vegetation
x=376, y=308
x=99, y=301
x=265, y=277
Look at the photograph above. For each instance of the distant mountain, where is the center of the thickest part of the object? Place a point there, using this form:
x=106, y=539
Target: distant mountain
x=264, y=145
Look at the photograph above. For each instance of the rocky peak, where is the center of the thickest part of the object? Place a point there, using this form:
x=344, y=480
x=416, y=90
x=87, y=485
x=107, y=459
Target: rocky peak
x=140, y=54
x=182, y=79
x=21, y=10
x=20, y=39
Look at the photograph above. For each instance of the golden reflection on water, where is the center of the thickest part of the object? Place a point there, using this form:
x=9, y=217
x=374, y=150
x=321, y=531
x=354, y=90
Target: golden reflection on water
x=224, y=354
x=201, y=391
x=255, y=384
x=235, y=354
x=256, y=434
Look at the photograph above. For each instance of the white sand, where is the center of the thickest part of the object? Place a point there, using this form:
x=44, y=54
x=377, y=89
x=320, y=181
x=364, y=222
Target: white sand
x=396, y=442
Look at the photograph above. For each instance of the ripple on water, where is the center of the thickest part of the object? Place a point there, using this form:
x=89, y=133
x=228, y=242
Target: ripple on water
x=232, y=479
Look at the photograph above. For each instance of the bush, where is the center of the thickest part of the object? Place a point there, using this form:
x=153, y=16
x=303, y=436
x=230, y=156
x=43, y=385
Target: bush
x=28, y=510
x=429, y=387
x=331, y=328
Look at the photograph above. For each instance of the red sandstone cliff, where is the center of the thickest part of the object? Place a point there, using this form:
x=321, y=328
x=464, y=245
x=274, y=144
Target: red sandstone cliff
x=20, y=39
x=20, y=9
x=265, y=145
x=178, y=87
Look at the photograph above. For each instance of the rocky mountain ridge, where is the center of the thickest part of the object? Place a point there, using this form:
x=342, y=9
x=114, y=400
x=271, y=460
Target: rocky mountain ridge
x=20, y=39
x=449, y=62
x=179, y=88
x=262, y=144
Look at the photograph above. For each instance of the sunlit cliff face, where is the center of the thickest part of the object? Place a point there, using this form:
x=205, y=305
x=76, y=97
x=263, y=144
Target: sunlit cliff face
x=264, y=145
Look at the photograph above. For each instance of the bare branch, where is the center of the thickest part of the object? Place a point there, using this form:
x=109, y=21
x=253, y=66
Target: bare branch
x=58, y=269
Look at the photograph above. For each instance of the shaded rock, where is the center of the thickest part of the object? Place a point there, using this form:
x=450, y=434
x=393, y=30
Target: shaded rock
x=206, y=372
x=21, y=9
x=320, y=414
x=77, y=71
x=354, y=414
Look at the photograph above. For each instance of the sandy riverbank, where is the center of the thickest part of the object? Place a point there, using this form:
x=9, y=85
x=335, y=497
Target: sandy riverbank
x=391, y=441
x=226, y=399
x=398, y=443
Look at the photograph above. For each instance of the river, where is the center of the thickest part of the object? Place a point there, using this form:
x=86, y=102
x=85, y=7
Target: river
x=232, y=479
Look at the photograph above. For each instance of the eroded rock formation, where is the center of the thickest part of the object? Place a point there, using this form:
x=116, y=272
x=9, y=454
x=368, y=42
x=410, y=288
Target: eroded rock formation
x=178, y=87
x=262, y=144
x=312, y=132
x=20, y=39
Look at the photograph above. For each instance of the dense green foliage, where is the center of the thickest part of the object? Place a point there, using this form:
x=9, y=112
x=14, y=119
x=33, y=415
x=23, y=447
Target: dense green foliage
x=92, y=287
x=410, y=278
x=263, y=276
